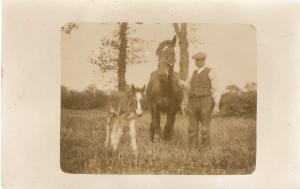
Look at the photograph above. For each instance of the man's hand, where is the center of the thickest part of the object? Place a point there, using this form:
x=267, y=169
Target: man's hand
x=184, y=84
x=215, y=110
x=183, y=108
x=184, y=102
x=215, y=107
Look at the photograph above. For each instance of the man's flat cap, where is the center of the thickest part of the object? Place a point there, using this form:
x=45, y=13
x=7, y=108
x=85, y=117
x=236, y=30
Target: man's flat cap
x=199, y=56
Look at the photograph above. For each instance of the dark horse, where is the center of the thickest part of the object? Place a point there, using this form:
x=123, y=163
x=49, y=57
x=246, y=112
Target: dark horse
x=163, y=91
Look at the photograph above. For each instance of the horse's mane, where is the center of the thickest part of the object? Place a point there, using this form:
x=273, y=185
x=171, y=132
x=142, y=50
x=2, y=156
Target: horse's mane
x=162, y=45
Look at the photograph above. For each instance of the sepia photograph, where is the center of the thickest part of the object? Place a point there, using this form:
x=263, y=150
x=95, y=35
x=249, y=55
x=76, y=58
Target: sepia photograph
x=150, y=94
x=158, y=98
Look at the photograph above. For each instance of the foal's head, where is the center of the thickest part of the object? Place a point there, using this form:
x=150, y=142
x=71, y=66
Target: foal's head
x=134, y=97
x=166, y=54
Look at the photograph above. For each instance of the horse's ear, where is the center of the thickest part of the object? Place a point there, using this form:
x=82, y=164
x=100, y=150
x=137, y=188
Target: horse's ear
x=143, y=89
x=174, y=40
x=132, y=88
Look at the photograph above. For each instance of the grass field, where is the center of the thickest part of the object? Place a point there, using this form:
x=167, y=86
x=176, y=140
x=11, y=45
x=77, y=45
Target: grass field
x=233, y=148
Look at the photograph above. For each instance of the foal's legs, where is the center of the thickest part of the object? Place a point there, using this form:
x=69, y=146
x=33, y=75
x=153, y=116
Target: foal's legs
x=113, y=133
x=108, y=131
x=132, y=133
x=117, y=132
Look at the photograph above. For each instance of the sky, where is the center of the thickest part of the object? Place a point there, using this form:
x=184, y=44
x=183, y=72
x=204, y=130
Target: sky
x=230, y=49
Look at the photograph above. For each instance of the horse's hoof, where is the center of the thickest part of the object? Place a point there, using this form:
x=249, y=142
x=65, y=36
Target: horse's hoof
x=168, y=138
x=152, y=137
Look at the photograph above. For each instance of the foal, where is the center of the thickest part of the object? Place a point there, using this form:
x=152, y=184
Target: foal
x=123, y=107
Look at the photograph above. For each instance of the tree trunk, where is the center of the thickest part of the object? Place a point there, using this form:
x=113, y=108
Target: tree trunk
x=122, y=57
x=183, y=45
x=184, y=58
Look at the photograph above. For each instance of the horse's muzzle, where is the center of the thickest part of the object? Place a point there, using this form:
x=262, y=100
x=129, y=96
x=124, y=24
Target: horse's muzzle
x=163, y=76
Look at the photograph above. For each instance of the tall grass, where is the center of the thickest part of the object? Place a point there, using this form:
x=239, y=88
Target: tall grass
x=233, y=147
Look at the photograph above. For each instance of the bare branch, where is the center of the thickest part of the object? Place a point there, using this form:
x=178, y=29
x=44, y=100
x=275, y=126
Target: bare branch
x=176, y=29
x=183, y=28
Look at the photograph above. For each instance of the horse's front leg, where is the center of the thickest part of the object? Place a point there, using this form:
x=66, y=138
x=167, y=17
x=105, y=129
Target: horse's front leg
x=158, y=128
x=155, y=122
x=169, y=127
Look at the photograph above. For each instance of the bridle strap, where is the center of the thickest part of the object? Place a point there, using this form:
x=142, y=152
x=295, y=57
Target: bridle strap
x=166, y=62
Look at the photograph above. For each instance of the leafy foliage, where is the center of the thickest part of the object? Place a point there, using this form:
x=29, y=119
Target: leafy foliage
x=107, y=55
x=90, y=98
x=67, y=28
x=237, y=102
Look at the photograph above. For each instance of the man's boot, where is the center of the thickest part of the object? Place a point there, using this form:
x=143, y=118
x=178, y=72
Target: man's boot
x=192, y=143
x=205, y=140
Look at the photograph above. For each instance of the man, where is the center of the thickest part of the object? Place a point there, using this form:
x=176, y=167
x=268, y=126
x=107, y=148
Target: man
x=200, y=102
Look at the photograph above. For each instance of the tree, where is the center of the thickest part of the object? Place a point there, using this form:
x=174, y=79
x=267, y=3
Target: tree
x=115, y=52
x=233, y=89
x=250, y=86
x=67, y=28
x=90, y=98
x=250, y=99
x=64, y=96
x=181, y=34
x=237, y=102
x=122, y=57
x=91, y=90
x=64, y=91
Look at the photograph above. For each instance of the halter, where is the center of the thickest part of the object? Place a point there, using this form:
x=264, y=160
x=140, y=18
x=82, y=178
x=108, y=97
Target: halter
x=171, y=63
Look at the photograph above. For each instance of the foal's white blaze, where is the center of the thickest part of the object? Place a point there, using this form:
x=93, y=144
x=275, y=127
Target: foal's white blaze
x=138, y=110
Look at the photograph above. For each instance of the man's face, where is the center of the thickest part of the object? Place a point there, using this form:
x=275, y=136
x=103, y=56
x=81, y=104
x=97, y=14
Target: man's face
x=200, y=63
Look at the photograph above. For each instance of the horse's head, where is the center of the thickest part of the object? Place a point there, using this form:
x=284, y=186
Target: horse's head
x=134, y=97
x=166, y=54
